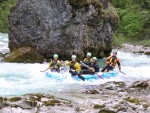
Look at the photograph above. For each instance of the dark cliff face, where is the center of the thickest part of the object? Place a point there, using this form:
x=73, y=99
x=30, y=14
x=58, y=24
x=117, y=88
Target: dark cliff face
x=60, y=26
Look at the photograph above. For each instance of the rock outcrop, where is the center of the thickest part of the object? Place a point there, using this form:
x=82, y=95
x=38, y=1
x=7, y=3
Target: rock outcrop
x=23, y=55
x=136, y=48
x=36, y=103
x=110, y=97
x=64, y=26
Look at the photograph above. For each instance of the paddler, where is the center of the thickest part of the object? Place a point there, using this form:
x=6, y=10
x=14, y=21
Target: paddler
x=92, y=68
x=55, y=64
x=87, y=61
x=111, y=62
x=75, y=68
x=94, y=64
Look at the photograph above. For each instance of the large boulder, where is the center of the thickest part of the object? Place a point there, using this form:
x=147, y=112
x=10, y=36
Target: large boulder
x=25, y=55
x=140, y=87
x=62, y=26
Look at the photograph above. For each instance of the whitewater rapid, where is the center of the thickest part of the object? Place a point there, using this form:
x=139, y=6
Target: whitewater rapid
x=19, y=78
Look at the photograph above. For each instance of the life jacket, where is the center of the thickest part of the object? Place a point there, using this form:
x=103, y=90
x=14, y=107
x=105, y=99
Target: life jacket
x=87, y=61
x=55, y=64
x=95, y=66
x=75, y=66
x=111, y=60
x=72, y=65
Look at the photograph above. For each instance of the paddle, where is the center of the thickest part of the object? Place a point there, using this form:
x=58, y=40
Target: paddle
x=79, y=75
x=89, y=68
x=64, y=65
x=48, y=68
x=119, y=71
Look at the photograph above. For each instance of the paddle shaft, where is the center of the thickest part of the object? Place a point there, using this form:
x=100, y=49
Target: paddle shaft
x=79, y=75
x=89, y=68
x=49, y=68
x=119, y=71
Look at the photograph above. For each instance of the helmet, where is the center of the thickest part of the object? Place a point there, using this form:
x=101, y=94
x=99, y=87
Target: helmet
x=89, y=54
x=94, y=58
x=55, y=56
x=73, y=56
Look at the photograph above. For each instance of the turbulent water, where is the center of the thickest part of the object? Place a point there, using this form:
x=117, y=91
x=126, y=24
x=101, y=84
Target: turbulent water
x=19, y=79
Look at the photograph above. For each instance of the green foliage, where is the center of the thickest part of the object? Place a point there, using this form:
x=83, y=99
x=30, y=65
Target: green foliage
x=143, y=3
x=15, y=99
x=119, y=3
x=51, y=102
x=134, y=25
x=133, y=100
x=5, y=6
x=131, y=22
x=97, y=106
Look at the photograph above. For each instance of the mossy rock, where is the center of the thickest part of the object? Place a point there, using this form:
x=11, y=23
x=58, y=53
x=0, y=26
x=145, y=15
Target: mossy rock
x=133, y=100
x=2, y=55
x=51, y=102
x=140, y=85
x=97, y=106
x=37, y=96
x=145, y=106
x=120, y=84
x=120, y=108
x=51, y=97
x=24, y=55
x=32, y=102
x=106, y=111
x=147, y=53
x=111, y=14
x=1, y=99
x=15, y=99
x=91, y=92
x=77, y=4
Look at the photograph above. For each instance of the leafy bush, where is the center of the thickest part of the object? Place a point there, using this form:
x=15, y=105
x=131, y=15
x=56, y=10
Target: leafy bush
x=134, y=25
x=5, y=6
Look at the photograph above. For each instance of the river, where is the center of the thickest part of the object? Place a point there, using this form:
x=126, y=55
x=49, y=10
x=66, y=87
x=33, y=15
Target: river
x=18, y=78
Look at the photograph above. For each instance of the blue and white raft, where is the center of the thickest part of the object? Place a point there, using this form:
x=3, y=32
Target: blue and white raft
x=60, y=76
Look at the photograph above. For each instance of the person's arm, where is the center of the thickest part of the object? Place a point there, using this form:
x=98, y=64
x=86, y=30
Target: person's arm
x=68, y=63
x=97, y=66
x=49, y=66
x=119, y=65
x=108, y=60
x=84, y=60
x=59, y=63
x=77, y=67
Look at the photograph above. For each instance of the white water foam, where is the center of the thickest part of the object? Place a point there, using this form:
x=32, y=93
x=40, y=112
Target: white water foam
x=19, y=78
x=4, y=43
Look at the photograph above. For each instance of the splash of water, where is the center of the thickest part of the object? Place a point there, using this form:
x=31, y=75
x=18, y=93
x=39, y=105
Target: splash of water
x=4, y=43
x=19, y=78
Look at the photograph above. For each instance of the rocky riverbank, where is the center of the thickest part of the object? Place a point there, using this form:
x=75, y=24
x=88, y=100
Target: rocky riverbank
x=136, y=48
x=110, y=97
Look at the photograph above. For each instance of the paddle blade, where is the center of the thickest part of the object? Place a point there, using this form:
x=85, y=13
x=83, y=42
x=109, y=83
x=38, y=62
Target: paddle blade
x=122, y=72
x=99, y=75
x=81, y=77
